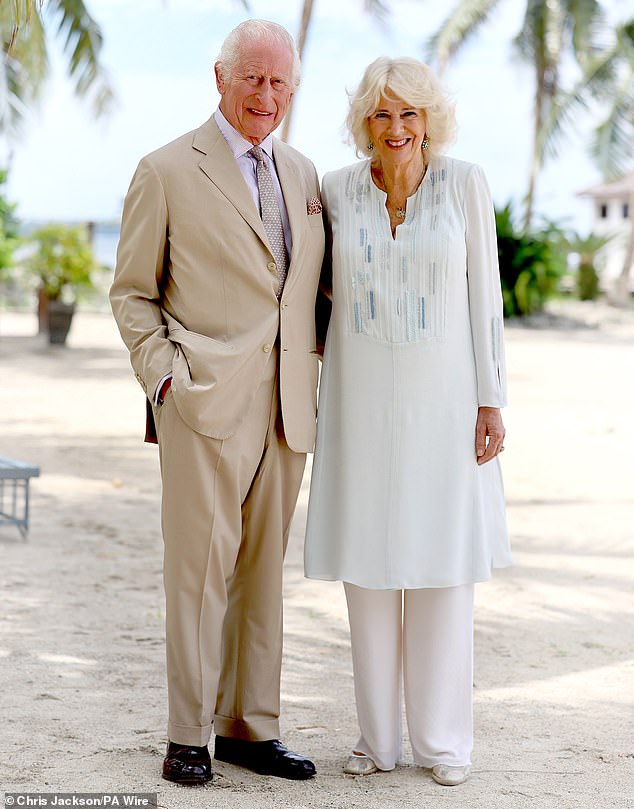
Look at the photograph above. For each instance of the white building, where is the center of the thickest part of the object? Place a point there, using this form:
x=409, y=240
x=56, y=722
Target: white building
x=613, y=211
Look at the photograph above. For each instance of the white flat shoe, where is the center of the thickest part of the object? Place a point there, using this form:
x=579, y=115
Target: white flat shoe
x=358, y=764
x=449, y=776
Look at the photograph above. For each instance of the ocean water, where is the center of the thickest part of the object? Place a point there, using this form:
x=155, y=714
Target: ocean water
x=105, y=239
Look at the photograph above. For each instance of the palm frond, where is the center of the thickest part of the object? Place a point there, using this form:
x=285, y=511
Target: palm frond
x=563, y=115
x=378, y=9
x=457, y=29
x=15, y=15
x=612, y=143
x=83, y=44
x=540, y=41
x=587, y=27
x=25, y=67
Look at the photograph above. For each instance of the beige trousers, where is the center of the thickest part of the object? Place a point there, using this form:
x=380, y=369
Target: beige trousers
x=422, y=639
x=226, y=514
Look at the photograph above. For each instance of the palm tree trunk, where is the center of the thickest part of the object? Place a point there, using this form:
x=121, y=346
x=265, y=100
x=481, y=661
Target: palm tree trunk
x=535, y=155
x=307, y=13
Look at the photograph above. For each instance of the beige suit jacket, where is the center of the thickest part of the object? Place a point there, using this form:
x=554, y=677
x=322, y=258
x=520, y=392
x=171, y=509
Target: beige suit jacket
x=195, y=285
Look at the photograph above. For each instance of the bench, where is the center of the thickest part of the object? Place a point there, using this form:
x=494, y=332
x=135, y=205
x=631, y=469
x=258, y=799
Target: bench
x=14, y=493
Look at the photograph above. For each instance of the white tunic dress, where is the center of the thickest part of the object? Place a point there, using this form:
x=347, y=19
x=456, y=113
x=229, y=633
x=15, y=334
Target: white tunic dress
x=413, y=348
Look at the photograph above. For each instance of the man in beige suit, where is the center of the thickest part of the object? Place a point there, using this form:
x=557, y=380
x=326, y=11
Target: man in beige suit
x=214, y=294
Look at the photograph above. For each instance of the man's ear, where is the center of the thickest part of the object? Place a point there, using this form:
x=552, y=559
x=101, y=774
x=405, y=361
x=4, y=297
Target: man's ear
x=220, y=82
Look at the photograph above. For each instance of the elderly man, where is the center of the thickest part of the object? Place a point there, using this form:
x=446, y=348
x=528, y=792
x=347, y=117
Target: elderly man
x=214, y=294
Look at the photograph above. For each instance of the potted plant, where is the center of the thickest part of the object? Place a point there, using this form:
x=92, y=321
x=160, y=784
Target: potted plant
x=63, y=263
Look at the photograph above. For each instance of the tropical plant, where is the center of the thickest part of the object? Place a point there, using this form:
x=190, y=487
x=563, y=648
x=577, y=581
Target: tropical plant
x=25, y=48
x=376, y=8
x=62, y=262
x=607, y=83
x=551, y=30
x=531, y=264
x=586, y=249
x=8, y=229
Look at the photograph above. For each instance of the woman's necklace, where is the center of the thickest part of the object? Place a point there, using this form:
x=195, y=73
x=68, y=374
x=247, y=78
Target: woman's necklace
x=398, y=211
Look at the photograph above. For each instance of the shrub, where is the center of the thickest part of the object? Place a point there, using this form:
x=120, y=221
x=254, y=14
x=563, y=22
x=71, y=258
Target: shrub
x=8, y=229
x=531, y=264
x=586, y=248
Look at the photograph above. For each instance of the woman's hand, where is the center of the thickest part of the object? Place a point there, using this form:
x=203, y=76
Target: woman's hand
x=490, y=434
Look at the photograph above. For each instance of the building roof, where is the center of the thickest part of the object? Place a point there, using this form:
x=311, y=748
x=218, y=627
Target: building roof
x=622, y=188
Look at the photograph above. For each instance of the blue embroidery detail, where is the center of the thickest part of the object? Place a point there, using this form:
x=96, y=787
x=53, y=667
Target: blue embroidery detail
x=398, y=292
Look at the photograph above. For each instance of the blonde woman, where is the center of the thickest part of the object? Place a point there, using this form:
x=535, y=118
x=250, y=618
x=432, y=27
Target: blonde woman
x=406, y=502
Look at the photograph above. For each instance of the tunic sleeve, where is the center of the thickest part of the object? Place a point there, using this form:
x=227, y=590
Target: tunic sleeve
x=485, y=296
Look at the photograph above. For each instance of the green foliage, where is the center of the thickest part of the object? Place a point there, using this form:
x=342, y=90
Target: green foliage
x=554, y=34
x=63, y=261
x=27, y=28
x=586, y=248
x=587, y=282
x=531, y=264
x=8, y=229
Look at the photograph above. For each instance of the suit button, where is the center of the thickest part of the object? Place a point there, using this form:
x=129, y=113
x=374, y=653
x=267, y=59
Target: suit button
x=272, y=266
x=284, y=306
x=267, y=347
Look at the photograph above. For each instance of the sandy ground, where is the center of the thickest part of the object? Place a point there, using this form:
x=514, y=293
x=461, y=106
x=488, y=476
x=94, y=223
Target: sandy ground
x=82, y=692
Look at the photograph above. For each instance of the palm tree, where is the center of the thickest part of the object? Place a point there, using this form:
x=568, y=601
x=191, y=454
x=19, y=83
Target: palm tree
x=607, y=84
x=613, y=146
x=25, y=48
x=551, y=30
x=375, y=7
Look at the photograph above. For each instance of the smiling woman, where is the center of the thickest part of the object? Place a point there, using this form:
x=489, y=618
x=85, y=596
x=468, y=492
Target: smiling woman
x=406, y=504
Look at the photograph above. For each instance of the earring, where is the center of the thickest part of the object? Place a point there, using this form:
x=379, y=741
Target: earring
x=370, y=146
x=426, y=142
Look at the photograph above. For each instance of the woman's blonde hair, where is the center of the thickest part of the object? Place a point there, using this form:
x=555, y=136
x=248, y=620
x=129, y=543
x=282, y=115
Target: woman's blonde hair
x=413, y=82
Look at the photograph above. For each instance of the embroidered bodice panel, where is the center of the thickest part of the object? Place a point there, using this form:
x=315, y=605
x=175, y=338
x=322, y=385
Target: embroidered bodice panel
x=393, y=289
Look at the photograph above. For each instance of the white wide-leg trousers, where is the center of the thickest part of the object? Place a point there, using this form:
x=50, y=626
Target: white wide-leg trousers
x=424, y=640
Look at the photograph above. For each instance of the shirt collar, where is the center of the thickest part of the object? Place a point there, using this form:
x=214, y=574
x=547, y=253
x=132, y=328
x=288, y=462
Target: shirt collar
x=240, y=146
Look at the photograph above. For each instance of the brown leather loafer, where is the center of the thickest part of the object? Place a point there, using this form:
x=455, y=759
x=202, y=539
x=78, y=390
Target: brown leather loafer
x=184, y=764
x=265, y=758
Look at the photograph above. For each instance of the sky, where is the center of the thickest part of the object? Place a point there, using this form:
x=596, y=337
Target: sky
x=159, y=55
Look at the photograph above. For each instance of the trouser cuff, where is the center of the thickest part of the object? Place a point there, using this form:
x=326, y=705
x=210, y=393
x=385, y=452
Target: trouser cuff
x=188, y=734
x=259, y=730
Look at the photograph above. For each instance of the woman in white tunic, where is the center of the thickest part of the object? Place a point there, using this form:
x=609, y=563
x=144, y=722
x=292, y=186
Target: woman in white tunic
x=406, y=502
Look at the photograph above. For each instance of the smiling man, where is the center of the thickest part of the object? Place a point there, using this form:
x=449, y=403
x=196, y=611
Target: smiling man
x=214, y=294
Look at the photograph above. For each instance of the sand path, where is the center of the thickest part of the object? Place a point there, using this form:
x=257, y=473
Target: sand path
x=82, y=691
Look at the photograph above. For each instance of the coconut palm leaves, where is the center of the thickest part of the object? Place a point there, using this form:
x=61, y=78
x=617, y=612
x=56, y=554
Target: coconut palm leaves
x=551, y=30
x=461, y=24
x=607, y=87
x=26, y=50
x=610, y=79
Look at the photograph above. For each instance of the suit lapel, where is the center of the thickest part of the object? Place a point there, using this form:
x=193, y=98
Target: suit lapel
x=220, y=166
x=293, y=199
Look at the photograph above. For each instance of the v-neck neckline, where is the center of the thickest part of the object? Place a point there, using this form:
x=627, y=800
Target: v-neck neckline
x=412, y=201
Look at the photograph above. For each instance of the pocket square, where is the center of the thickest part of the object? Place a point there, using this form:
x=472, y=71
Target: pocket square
x=313, y=206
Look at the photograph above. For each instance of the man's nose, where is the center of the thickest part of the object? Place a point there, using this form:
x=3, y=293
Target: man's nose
x=265, y=91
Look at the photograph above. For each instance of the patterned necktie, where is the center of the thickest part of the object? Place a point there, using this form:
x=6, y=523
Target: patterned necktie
x=271, y=218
